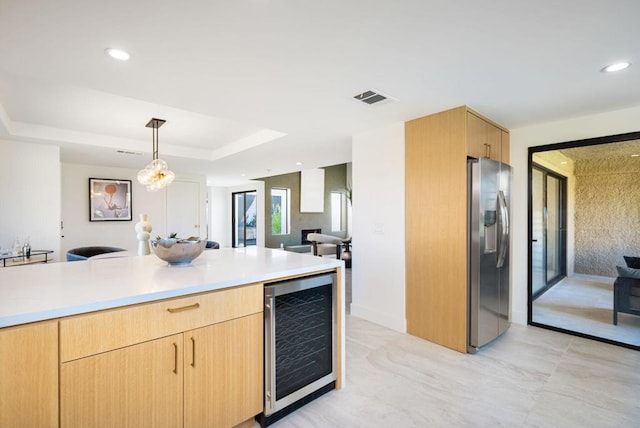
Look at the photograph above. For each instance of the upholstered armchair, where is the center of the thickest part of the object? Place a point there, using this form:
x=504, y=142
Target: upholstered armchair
x=626, y=289
x=84, y=253
x=325, y=245
x=212, y=245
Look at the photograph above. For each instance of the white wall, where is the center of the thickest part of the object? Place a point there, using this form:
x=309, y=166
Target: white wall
x=220, y=208
x=378, y=272
x=30, y=195
x=79, y=231
x=378, y=210
x=597, y=125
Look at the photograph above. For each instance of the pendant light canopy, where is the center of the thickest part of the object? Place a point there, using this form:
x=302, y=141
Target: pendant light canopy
x=156, y=174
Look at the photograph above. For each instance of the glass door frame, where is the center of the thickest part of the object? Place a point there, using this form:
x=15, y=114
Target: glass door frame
x=559, y=146
x=561, y=248
x=234, y=219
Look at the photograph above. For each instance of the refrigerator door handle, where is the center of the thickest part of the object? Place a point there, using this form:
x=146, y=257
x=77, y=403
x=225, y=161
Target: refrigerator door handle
x=503, y=242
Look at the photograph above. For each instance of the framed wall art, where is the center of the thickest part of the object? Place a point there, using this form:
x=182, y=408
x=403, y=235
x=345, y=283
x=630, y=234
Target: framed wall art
x=109, y=200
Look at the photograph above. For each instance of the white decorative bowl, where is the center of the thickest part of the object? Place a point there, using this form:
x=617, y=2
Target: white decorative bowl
x=178, y=252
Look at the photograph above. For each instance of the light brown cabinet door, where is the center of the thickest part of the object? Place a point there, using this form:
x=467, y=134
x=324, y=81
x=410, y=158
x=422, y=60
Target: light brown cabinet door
x=504, y=148
x=29, y=375
x=484, y=140
x=137, y=386
x=223, y=373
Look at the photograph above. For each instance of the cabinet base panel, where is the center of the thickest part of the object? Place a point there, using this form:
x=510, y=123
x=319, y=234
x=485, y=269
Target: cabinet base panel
x=265, y=420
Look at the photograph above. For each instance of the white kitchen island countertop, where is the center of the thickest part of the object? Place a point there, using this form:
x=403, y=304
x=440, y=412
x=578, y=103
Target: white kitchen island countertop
x=46, y=291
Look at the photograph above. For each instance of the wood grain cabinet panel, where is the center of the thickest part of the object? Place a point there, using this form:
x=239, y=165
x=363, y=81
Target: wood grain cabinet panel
x=505, y=153
x=436, y=150
x=102, y=331
x=435, y=224
x=215, y=372
x=484, y=139
x=209, y=376
x=29, y=375
x=223, y=373
x=137, y=386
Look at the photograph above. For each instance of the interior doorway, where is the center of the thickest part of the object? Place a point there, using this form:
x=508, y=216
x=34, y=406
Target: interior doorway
x=549, y=225
x=183, y=208
x=244, y=218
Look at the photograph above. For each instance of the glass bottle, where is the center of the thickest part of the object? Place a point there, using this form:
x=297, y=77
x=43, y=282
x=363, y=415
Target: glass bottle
x=26, y=249
x=17, y=248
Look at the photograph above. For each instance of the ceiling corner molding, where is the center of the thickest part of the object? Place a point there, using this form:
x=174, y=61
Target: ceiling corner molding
x=256, y=139
x=28, y=132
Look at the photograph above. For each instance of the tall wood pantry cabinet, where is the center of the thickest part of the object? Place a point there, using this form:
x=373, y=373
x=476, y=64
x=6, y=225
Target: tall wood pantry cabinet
x=436, y=150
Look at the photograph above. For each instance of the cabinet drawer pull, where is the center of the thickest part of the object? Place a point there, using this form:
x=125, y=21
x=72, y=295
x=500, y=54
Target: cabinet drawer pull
x=193, y=352
x=175, y=357
x=184, y=308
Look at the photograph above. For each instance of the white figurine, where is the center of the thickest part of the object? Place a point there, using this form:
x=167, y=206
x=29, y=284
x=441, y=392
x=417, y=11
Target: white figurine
x=143, y=229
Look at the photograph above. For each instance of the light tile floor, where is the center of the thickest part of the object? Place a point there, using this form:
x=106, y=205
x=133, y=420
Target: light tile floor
x=529, y=377
x=584, y=303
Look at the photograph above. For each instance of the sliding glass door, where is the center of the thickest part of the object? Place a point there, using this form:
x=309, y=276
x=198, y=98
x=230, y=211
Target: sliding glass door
x=548, y=221
x=244, y=218
x=554, y=230
x=538, y=275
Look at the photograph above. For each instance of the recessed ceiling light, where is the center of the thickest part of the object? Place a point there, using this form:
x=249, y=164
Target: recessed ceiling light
x=117, y=54
x=563, y=163
x=635, y=155
x=616, y=67
x=298, y=163
x=243, y=174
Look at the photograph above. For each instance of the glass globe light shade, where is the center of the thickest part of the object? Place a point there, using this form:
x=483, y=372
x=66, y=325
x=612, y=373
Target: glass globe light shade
x=156, y=175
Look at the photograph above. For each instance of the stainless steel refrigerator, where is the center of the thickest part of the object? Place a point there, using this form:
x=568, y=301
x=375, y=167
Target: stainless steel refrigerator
x=489, y=194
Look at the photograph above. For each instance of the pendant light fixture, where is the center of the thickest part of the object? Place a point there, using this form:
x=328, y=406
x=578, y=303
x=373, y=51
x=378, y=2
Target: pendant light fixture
x=156, y=174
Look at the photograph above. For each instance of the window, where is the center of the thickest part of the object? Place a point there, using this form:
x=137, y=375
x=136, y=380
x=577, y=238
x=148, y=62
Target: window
x=280, y=211
x=336, y=211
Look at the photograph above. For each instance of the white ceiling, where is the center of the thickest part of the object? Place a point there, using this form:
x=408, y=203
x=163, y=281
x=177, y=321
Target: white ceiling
x=254, y=86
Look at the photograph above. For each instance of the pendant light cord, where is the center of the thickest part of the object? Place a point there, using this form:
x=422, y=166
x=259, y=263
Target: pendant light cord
x=155, y=140
x=156, y=174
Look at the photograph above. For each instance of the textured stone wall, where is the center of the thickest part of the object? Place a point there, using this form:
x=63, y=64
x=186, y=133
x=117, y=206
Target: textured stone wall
x=607, y=214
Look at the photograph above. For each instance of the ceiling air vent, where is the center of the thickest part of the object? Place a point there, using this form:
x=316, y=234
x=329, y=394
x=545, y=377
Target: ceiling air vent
x=370, y=97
